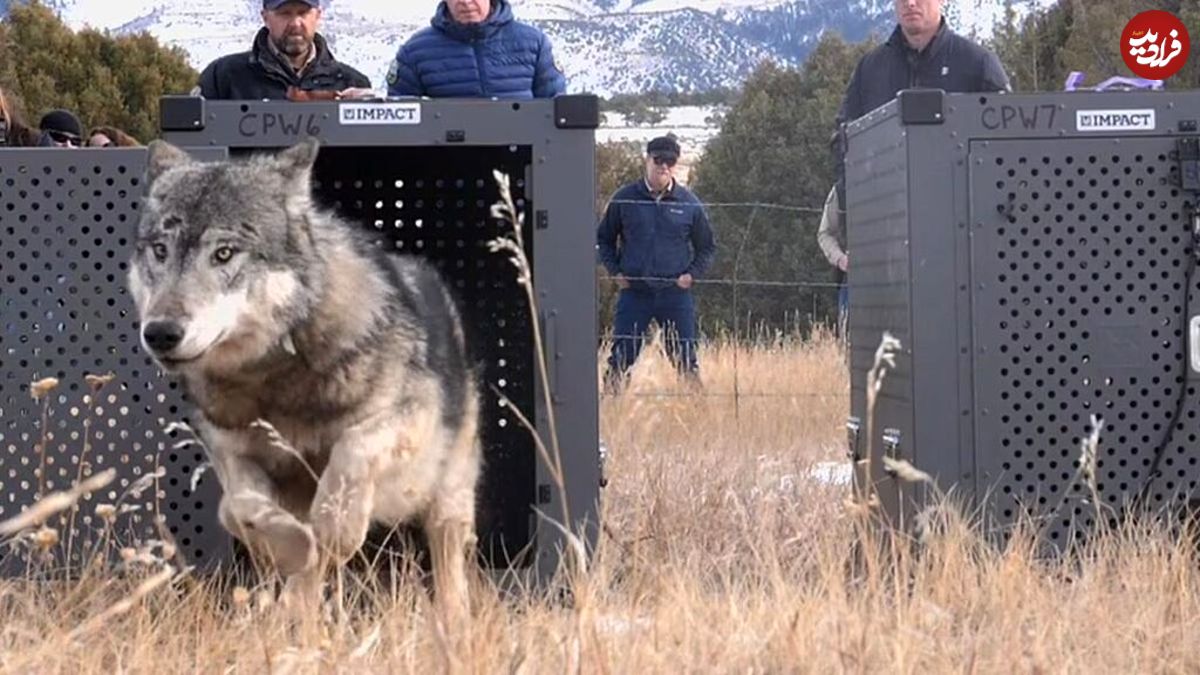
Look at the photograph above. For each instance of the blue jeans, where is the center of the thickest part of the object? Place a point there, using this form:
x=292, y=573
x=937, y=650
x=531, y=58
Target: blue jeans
x=673, y=308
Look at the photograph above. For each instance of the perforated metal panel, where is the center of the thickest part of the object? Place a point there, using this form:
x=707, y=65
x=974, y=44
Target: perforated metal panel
x=1079, y=312
x=65, y=218
x=1045, y=242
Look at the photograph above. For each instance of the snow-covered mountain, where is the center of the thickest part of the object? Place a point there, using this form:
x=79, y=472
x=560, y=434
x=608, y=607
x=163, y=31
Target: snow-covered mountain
x=604, y=46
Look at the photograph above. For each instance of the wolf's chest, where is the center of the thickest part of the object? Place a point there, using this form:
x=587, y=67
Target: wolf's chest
x=283, y=443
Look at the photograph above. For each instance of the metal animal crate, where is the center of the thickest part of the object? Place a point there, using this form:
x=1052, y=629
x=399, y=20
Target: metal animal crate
x=1031, y=254
x=417, y=174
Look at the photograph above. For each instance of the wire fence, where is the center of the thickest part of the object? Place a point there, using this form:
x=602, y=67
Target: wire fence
x=748, y=242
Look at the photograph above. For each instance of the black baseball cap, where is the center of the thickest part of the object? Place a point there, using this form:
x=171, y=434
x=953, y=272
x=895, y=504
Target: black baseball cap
x=63, y=125
x=276, y=4
x=663, y=146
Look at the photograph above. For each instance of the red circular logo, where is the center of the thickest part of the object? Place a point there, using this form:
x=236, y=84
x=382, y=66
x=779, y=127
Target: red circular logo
x=1155, y=44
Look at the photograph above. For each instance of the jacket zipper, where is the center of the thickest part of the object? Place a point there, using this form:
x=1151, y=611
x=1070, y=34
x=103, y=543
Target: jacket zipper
x=483, y=86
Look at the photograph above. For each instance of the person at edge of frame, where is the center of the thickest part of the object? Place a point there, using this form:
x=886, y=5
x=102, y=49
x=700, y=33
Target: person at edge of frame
x=831, y=238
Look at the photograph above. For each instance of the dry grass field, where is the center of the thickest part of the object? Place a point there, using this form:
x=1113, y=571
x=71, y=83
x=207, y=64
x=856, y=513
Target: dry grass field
x=722, y=553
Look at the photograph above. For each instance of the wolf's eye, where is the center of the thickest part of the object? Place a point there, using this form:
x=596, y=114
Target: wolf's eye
x=160, y=251
x=223, y=255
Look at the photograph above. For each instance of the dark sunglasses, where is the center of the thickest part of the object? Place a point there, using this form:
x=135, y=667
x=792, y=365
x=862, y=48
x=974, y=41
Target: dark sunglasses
x=63, y=137
x=665, y=161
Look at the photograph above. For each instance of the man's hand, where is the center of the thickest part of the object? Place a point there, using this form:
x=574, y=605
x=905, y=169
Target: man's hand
x=622, y=282
x=357, y=93
x=844, y=263
x=684, y=281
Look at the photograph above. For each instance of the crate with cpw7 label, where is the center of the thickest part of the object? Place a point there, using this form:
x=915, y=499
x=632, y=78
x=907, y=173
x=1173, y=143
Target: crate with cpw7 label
x=1034, y=255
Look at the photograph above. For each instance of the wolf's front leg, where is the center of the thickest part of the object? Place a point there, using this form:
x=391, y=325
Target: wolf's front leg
x=450, y=528
x=345, y=499
x=249, y=508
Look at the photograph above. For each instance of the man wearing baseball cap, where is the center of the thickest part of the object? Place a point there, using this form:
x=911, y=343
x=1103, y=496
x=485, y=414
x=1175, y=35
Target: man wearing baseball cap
x=61, y=128
x=289, y=59
x=655, y=240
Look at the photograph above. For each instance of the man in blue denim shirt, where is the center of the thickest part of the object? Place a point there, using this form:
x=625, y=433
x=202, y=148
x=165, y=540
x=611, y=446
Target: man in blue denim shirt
x=655, y=240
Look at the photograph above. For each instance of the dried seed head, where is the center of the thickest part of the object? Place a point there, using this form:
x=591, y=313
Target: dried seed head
x=97, y=382
x=1089, y=452
x=905, y=471
x=106, y=511
x=168, y=550
x=861, y=508
x=42, y=387
x=264, y=600
x=241, y=597
x=45, y=538
x=128, y=553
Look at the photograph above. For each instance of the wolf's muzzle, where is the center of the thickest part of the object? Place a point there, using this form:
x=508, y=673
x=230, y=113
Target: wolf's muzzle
x=162, y=336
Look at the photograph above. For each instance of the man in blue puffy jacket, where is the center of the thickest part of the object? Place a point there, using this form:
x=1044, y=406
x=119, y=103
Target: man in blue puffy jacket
x=476, y=49
x=655, y=240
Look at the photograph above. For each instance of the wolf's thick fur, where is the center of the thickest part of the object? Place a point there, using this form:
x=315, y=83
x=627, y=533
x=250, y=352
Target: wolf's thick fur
x=270, y=309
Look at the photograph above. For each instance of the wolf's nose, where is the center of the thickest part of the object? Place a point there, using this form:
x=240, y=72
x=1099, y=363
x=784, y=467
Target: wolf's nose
x=162, y=336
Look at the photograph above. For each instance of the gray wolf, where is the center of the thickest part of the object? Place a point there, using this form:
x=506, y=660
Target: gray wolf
x=269, y=308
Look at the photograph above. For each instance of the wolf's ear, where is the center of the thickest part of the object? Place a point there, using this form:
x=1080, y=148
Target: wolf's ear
x=162, y=156
x=296, y=162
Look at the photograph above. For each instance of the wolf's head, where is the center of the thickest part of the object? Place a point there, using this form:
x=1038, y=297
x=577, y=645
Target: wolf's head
x=224, y=253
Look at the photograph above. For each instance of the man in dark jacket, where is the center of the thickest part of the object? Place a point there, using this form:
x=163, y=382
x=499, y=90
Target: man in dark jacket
x=922, y=52
x=476, y=49
x=288, y=55
x=655, y=240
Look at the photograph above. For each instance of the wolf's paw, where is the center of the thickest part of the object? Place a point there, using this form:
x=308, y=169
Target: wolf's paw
x=340, y=538
x=303, y=593
x=291, y=542
x=270, y=530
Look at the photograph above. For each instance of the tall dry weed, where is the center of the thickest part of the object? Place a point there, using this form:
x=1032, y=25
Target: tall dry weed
x=723, y=550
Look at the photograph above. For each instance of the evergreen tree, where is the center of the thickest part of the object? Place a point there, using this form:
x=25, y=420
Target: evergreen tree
x=101, y=78
x=1040, y=51
x=774, y=147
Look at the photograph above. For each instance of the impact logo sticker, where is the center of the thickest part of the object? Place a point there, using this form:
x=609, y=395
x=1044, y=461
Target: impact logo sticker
x=379, y=113
x=1155, y=45
x=1115, y=120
